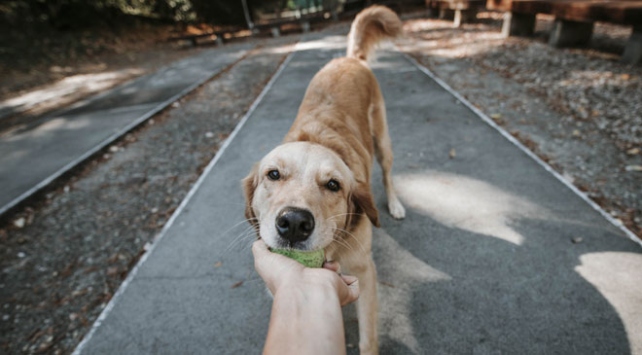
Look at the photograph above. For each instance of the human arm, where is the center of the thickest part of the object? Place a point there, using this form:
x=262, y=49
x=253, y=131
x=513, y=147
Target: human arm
x=306, y=312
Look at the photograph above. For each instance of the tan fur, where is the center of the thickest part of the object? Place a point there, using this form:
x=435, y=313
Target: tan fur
x=369, y=28
x=341, y=126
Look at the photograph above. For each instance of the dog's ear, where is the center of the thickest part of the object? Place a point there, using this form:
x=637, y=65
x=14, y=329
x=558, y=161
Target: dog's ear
x=362, y=202
x=249, y=186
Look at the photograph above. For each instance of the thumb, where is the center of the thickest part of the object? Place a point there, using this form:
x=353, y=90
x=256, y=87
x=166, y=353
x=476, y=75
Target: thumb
x=349, y=291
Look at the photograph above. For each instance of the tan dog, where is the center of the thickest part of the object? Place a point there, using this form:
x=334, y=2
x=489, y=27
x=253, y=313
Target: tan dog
x=313, y=191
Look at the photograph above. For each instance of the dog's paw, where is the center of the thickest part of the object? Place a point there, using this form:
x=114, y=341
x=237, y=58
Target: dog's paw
x=396, y=209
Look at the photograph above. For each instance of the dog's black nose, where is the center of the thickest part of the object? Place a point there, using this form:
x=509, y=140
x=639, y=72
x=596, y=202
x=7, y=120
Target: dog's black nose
x=294, y=224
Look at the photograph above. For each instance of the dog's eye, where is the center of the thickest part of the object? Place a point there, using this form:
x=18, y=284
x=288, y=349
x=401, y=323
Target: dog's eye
x=273, y=175
x=333, y=185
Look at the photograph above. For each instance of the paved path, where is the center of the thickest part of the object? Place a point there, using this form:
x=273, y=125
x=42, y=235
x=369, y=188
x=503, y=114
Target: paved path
x=484, y=263
x=33, y=157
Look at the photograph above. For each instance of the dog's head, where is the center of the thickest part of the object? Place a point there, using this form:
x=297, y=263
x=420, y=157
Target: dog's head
x=302, y=195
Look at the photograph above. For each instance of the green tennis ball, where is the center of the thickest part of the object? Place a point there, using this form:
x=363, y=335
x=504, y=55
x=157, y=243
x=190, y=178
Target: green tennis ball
x=312, y=259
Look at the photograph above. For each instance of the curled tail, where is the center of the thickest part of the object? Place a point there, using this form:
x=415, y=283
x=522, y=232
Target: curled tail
x=370, y=27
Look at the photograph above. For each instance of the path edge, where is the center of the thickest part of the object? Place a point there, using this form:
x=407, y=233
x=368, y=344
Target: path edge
x=210, y=166
x=111, y=139
x=618, y=224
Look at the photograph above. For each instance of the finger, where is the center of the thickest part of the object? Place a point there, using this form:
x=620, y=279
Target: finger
x=331, y=265
x=272, y=267
x=260, y=251
x=349, y=293
x=349, y=279
x=259, y=247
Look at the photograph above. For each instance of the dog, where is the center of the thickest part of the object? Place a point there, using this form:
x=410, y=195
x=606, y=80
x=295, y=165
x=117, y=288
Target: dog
x=313, y=191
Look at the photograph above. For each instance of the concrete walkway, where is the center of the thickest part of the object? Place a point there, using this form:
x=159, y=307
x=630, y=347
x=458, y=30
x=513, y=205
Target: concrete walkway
x=34, y=156
x=496, y=255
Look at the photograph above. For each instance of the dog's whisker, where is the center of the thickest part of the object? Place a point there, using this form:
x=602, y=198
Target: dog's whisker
x=344, y=244
x=246, y=234
x=246, y=230
x=359, y=243
x=238, y=224
x=341, y=215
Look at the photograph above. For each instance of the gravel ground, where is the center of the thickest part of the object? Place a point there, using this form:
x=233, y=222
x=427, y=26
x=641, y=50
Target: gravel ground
x=580, y=110
x=62, y=267
x=577, y=109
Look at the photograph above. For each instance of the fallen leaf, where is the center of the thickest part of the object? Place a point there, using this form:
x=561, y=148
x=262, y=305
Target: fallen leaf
x=20, y=222
x=218, y=264
x=633, y=151
x=386, y=284
x=112, y=271
x=237, y=284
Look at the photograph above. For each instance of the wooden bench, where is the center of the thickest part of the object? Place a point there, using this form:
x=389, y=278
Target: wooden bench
x=276, y=26
x=574, y=20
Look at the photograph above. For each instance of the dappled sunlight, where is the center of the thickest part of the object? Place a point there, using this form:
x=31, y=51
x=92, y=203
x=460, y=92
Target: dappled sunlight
x=70, y=87
x=284, y=49
x=328, y=43
x=421, y=25
x=399, y=274
x=456, y=47
x=56, y=124
x=584, y=79
x=465, y=203
x=16, y=154
x=616, y=275
x=62, y=123
x=440, y=38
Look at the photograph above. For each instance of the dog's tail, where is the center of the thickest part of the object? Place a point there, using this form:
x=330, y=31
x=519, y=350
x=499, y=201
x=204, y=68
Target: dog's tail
x=371, y=26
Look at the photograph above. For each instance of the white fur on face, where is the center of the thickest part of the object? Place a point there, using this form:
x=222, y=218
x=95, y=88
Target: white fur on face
x=304, y=169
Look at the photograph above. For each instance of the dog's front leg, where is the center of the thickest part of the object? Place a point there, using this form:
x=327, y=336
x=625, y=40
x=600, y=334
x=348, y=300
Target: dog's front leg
x=367, y=307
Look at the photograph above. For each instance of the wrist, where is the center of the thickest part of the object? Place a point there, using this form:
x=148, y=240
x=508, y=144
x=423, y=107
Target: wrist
x=313, y=283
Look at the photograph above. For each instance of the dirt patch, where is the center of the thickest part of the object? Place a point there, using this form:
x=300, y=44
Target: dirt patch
x=580, y=110
x=62, y=261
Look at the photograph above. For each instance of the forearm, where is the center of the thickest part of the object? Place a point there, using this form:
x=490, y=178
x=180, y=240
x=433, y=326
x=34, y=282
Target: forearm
x=306, y=321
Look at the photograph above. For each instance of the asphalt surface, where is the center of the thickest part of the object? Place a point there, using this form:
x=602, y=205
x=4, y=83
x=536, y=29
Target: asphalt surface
x=496, y=255
x=34, y=156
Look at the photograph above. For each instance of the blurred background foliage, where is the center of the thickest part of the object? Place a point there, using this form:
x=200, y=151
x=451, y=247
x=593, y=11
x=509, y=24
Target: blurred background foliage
x=38, y=36
x=83, y=14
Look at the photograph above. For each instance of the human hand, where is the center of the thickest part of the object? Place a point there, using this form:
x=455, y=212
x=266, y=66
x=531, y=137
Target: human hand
x=282, y=273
